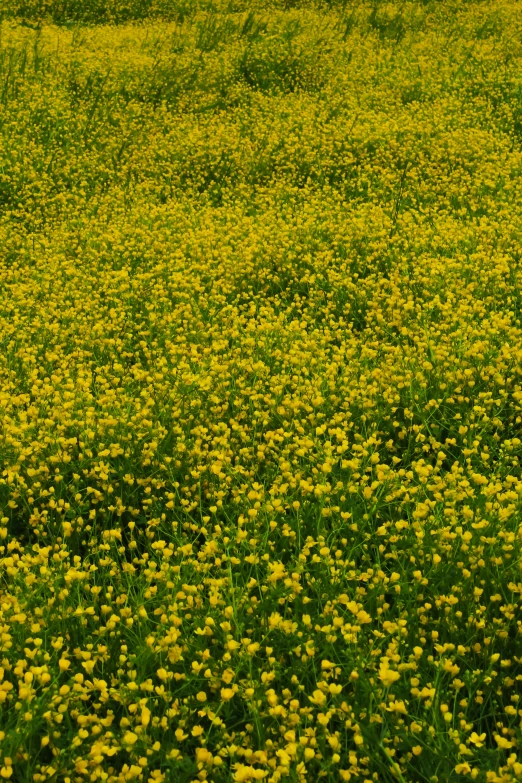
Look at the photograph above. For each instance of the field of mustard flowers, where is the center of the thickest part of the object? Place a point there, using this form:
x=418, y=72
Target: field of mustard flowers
x=260, y=391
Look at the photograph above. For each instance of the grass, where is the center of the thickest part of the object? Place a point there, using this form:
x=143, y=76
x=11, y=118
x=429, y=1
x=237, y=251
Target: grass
x=260, y=391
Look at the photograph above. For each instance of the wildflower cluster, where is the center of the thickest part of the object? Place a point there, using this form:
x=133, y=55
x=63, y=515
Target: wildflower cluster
x=261, y=392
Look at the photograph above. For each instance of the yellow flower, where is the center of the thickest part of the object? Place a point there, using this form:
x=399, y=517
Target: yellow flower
x=477, y=740
x=244, y=773
x=318, y=697
x=463, y=768
x=387, y=676
x=503, y=742
x=156, y=776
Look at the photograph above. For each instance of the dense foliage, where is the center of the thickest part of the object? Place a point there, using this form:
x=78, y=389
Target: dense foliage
x=260, y=391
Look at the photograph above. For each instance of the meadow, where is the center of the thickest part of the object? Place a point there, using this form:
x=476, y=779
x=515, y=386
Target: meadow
x=260, y=391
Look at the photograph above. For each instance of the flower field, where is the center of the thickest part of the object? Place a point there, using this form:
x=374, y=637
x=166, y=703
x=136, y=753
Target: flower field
x=260, y=391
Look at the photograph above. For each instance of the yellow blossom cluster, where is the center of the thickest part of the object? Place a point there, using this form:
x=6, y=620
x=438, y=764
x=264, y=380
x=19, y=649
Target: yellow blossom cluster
x=260, y=391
